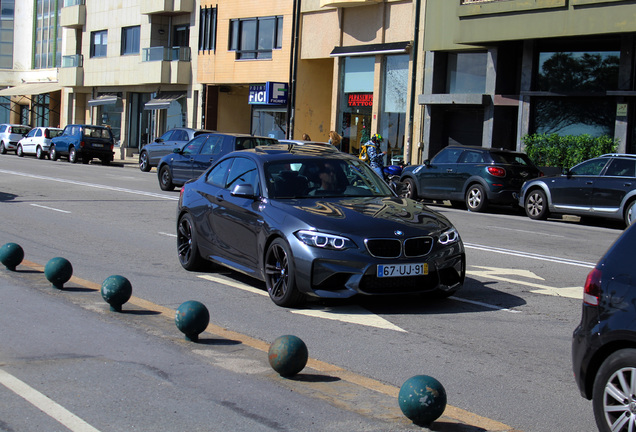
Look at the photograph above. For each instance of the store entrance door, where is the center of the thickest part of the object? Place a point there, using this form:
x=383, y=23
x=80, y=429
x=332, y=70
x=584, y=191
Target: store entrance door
x=355, y=130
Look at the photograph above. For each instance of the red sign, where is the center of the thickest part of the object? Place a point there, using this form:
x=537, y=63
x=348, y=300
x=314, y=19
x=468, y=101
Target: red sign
x=360, y=99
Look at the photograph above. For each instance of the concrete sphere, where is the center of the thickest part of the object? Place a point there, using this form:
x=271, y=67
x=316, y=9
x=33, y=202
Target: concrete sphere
x=288, y=355
x=11, y=255
x=422, y=399
x=192, y=318
x=116, y=290
x=58, y=271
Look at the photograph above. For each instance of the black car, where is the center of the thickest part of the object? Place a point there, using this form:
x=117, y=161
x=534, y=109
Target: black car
x=151, y=153
x=604, y=343
x=197, y=155
x=470, y=176
x=601, y=187
x=313, y=221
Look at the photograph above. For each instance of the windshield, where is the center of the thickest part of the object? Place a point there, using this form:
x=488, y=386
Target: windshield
x=318, y=177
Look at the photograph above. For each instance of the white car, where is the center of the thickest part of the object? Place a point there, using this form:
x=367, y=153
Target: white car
x=37, y=141
x=10, y=134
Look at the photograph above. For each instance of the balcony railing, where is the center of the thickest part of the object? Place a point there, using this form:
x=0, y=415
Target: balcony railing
x=70, y=61
x=166, y=54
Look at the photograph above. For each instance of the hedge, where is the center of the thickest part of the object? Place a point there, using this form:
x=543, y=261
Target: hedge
x=565, y=151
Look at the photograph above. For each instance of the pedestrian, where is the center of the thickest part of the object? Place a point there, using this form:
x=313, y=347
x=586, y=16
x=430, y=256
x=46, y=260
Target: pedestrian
x=375, y=154
x=306, y=137
x=335, y=139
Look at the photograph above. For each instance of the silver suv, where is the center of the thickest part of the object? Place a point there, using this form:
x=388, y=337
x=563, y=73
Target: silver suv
x=10, y=134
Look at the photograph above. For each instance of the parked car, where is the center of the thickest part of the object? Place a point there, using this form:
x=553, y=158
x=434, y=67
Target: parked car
x=604, y=343
x=470, y=176
x=10, y=134
x=37, y=142
x=83, y=142
x=601, y=187
x=151, y=154
x=310, y=221
x=197, y=155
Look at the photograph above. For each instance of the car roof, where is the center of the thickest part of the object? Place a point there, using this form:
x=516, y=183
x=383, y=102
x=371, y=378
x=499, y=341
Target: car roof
x=625, y=155
x=281, y=152
x=484, y=149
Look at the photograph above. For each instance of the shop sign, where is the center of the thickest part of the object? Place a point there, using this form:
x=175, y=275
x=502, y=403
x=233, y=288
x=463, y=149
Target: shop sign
x=270, y=93
x=360, y=99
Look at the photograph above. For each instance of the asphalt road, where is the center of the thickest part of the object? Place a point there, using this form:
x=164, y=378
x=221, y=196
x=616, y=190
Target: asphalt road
x=501, y=346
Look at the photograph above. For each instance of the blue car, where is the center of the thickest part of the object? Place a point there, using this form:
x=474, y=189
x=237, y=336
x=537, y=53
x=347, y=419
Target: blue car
x=202, y=151
x=83, y=142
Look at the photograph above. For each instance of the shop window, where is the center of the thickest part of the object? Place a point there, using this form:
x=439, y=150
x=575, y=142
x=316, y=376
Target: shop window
x=573, y=116
x=356, y=106
x=99, y=40
x=466, y=72
x=588, y=71
x=393, y=114
x=130, y=40
x=207, y=29
x=255, y=38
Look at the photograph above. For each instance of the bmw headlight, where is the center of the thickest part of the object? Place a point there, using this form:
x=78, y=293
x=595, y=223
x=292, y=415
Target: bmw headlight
x=325, y=241
x=449, y=236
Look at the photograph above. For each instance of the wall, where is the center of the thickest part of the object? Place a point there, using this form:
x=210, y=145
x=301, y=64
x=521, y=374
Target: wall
x=313, y=99
x=235, y=113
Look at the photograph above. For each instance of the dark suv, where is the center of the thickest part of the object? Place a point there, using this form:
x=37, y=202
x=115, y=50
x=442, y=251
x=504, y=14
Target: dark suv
x=604, y=343
x=83, y=142
x=474, y=176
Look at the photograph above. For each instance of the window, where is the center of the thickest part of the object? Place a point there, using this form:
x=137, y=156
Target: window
x=255, y=38
x=181, y=35
x=99, y=40
x=589, y=168
x=589, y=71
x=466, y=72
x=130, y=40
x=48, y=35
x=6, y=34
x=207, y=29
x=195, y=145
x=243, y=171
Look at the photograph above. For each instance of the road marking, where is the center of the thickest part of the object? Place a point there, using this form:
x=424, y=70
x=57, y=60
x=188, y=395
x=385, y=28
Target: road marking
x=530, y=255
x=525, y=231
x=94, y=185
x=167, y=234
x=46, y=405
x=351, y=314
x=50, y=208
x=495, y=273
x=489, y=306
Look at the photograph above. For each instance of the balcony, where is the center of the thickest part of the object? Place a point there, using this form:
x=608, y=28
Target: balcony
x=347, y=3
x=73, y=14
x=72, y=71
x=165, y=65
x=166, y=7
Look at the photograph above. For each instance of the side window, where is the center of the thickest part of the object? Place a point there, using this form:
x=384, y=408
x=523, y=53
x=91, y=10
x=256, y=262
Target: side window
x=3, y=128
x=30, y=134
x=166, y=136
x=194, y=146
x=180, y=135
x=243, y=171
x=38, y=132
x=589, y=168
x=449, y=155
x=621, y=168
x=212, y=146
x=216, y=176
x=471, y=157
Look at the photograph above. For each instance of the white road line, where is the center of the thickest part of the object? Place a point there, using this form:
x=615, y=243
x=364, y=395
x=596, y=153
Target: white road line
x=167, y=234
x=530, y=255
x=525, y=231
x=489, y=306
x=40, y=401
x=94, y=185
x=50, y=208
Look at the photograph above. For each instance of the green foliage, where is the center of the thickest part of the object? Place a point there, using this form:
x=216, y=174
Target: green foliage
x=553, y=150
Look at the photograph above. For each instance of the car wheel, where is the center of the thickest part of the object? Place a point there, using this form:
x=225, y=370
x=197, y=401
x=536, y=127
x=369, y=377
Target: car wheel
x=614, y=392
x=39, y=153
x=52, y=153
x=3, y=149
x=476, y=200
x=72, y=155
x=165, y=179
x=630, y=213
x=187, y=248
x=19, y=151
x=536, y=204
x=144, y=162
x=280, y=277
x=409, y=190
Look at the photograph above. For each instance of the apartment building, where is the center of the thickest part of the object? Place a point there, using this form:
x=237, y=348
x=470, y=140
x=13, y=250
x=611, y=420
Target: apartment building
x=129, y=64
x=497, y=70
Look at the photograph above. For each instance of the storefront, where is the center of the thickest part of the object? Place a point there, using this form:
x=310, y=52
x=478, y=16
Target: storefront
x=269, y=109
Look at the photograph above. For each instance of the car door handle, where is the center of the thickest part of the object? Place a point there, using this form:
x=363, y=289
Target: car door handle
x=211, y=159
x=627, y=184
x=449, y=170
x=220, y=197
x=589, y=182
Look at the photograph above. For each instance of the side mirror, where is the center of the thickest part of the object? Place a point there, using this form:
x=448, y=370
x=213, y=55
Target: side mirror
x=566, y=172
x=427, y=163
x=176, y=150
x=244, y=191
x=158, y=140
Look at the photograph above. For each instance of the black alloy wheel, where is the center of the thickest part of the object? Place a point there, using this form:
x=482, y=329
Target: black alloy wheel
x=187, y=248
x=165, y=179
x=280, y=277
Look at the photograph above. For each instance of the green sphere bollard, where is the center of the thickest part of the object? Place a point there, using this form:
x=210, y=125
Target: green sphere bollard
x=11, y=255
x=422, y=399
x=192, y=318
x=288, y=355
x=116, y=290
x=58, y=271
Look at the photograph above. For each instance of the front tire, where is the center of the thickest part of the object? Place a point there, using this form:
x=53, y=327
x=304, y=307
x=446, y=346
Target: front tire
x=536, y=205
x=165, y=179
x=144, y=162
x=72, y=155
x=615, y=392
x=476, y=200
x=280, y=277
x=409, y=190
x=19, y=151
x=187, y=247
x=53, y=153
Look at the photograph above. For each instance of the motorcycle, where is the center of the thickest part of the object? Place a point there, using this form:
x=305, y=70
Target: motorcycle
x=392, y=175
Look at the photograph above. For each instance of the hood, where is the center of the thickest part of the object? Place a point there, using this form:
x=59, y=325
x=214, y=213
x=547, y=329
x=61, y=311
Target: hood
x=359, y=215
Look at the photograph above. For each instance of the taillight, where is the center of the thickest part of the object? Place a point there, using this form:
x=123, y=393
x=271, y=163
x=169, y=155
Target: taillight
x=47, y=134
x=592, y=290
x=9, y=129
x=496, y=171
x=82, y=144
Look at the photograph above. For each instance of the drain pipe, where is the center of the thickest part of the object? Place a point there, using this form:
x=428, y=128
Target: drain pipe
x=293, y=69
x=416, y=38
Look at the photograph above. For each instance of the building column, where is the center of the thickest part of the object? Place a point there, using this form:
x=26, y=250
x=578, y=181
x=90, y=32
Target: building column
x=621, y=126
x=523, y=125
x=489, y=110
x=427, y=89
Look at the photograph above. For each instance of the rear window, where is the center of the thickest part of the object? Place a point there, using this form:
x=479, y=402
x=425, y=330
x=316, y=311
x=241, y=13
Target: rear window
x=512, y=159
x=52, y=133
x=251, y=142
x=20, y=130
x=97, y=132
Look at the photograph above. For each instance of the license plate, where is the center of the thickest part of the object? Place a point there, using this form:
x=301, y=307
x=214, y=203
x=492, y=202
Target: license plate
x=402, y=270
x=98, y=145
